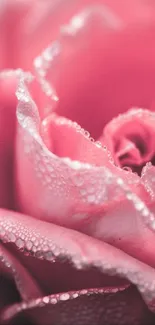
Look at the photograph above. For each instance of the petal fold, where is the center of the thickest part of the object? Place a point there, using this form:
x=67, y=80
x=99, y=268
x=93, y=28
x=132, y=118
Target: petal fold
x=11, y=267
x=106, y=306
x=51, y=242
x=63, y=188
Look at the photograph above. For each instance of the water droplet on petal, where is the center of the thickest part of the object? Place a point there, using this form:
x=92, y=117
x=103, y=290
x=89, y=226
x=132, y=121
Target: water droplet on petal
x=78, y=180
x=64, y=296
x=98, y=144
x=127, y=169
x=29, y=245
x=20, y=243
x=53, y=301
x=46, y=300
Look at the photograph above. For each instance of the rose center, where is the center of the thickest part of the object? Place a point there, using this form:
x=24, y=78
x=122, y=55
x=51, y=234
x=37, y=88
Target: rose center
x=130, y=138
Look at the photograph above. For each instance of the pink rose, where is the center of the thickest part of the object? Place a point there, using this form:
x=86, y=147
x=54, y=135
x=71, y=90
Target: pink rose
x=77, y=215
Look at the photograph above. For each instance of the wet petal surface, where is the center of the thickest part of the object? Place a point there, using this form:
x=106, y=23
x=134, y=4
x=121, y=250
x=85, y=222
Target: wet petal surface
x=8, y=102
x=110, y=306
x=52, y=243
x=85, y=65
x=64, y=190
x=130, y=139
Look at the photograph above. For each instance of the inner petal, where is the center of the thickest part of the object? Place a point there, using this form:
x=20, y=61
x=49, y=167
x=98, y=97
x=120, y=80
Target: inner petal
x=67, y=139
x=130, y=138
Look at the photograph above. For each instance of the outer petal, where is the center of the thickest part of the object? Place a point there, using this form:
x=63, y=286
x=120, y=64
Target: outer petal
x=87, y=307
x=53, y=243
x=16, y=283
x=8, y=84
x=12, y=268
x=123, y=227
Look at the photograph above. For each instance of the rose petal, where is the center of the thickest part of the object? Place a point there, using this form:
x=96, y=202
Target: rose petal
x=65, y=277
x=64, y=191
x=11, y=267
x=123, y=227
x=67, y=139
x=129, y=230
x=11, y=16
x=132, y=135
x=8, y=293
x=37, y=237
x=29, y=18
x=85, y=71
x=45, y=18
x=148, y=177
x=113, y=306
x=8, y=101
x=76, y=41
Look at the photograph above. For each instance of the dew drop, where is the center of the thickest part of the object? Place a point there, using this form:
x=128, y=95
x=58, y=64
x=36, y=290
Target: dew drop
x=34, y=249
x=20, y=243
x=46, y=300
x=129, y=196
x=98, y=144
x=145, y=212
x=12, y=237
x=119, y=181
x=53, y=301
x=86, y=133
x=83, y=292
x=29, y=244
x=64, y=296
x=50, y=168
x=38, y=62
x=2, y=231
x=75, y=295
x=48, y=256
x=91, y=198
x=139, y=206
x=78, y=180
x=153, y=225
x=127, y=169
x=83, y=192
